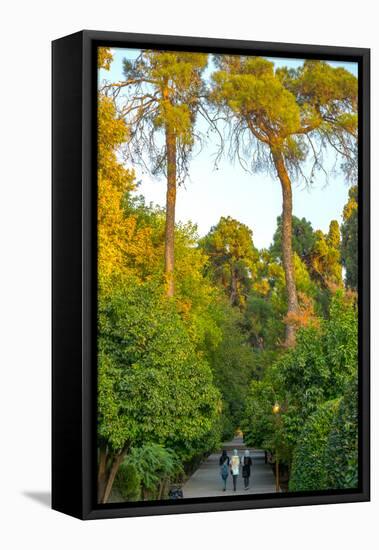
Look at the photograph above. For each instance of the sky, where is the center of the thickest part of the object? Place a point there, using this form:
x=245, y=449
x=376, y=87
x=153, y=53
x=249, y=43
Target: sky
x=253, y=199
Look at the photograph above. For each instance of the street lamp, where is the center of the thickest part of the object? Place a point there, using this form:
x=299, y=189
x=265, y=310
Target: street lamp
x=276, y=411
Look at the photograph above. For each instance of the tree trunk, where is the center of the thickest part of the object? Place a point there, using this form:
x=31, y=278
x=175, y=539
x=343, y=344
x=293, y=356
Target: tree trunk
x=170, y=211
x=289, y=270
x=161, y=488
x=101, y=476
x=112, y=474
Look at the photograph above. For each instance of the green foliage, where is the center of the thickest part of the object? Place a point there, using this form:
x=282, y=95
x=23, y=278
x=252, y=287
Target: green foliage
x=281, y=109
x=228, y=423
x=342, y=446
x=317, y=262
x=325, y=261
x=341, y=341
x=164, y=90
x=112, y=132
x=263, y=321
x=195, y=293
x=155, y=465
x=326, y=456
x=277, y=121
x=316, y=371
x=153, y=385
x=320, y=257
x=232, y=258
x=325, y=357
x=303, y=239
x=258, y=424
x=305, y=369
x=175, y=376
x=114, y=180
x=251, y=87
x=327, y=98
x=318, y=83
x=232, y=362
x=309, y=471
x=128, y=482
x=267, y=303
x=349, y=245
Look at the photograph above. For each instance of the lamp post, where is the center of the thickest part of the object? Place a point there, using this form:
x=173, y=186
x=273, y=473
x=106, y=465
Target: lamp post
x=276, y=411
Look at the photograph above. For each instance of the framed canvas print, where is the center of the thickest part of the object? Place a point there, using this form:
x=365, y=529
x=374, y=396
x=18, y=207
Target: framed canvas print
x=210, y=275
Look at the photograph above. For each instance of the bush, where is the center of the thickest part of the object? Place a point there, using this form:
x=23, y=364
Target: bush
x=232, y=363
x=228, y=425
x=309, y=470
x=128, y=482
x=342, y=446
x=154, y=385
x=257, y=425
x=156, y=466
x=316, y=432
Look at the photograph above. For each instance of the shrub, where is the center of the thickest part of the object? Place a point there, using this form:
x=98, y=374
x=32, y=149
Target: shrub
x=128, y=482
x=342, y=446
x=155, y=466
x=309, y=470
x=154, y=385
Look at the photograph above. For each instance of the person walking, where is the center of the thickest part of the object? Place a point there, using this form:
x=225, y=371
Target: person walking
x=235, y=468
x=224, y=468
x=246, y=468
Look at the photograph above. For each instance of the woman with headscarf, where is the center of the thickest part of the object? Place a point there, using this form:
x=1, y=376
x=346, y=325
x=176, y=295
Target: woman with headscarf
x=235, y=468
x=246, y=468
x=224, y=467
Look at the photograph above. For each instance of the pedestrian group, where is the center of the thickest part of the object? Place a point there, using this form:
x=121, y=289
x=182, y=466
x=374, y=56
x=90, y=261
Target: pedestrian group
x=232, y=465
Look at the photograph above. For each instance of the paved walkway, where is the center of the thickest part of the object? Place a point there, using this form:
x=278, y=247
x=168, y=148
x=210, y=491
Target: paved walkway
x=207, y=482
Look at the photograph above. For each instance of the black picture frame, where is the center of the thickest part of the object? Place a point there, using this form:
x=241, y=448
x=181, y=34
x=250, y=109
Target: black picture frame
x=74, y=90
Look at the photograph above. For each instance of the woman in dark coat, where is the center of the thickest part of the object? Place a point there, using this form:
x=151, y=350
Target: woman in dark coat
x=246, y=468
x=224, y=468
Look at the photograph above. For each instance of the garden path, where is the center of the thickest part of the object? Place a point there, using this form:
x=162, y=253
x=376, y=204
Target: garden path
x=206, y=480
